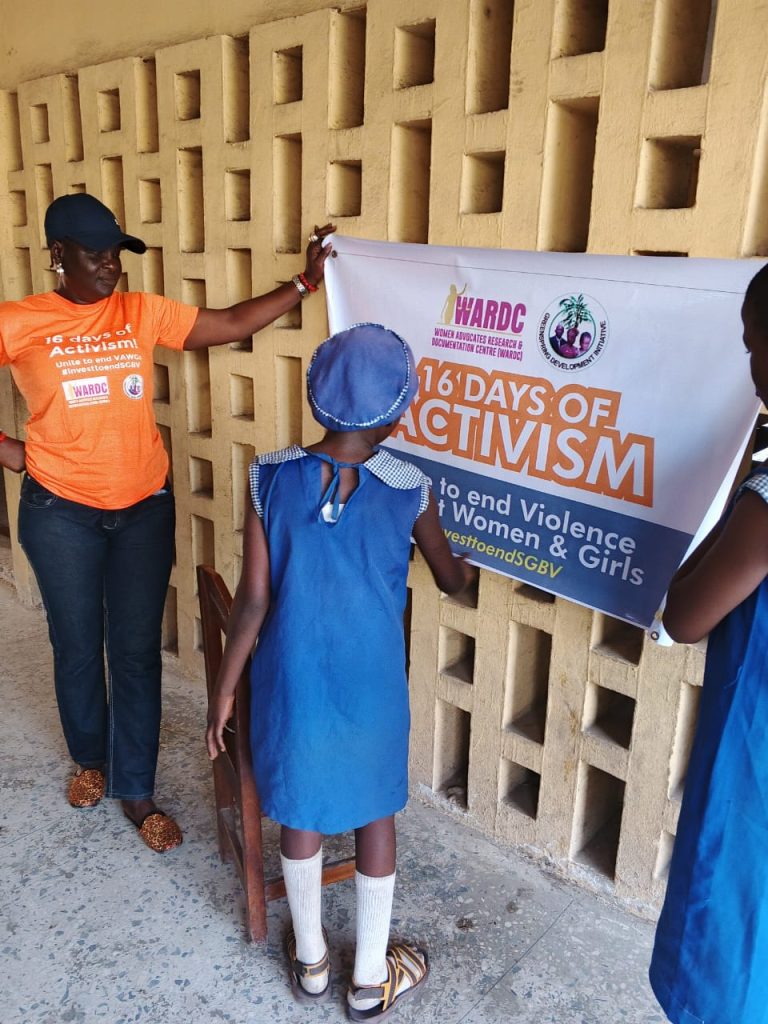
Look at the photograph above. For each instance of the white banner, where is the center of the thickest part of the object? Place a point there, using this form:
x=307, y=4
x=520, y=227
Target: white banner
x=579, y=416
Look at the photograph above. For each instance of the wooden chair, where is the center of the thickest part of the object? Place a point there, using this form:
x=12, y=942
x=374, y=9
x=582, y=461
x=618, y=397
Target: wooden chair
x=238, y=809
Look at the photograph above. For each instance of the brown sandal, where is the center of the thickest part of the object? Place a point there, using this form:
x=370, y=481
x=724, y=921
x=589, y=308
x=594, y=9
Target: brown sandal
x=159, y=831
x=405, y=962
x=86, y=787
x=299, y=970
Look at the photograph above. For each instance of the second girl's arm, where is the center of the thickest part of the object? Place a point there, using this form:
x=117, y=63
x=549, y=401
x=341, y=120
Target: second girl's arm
x=249, y=608
x=734, y=564
x=451, y=574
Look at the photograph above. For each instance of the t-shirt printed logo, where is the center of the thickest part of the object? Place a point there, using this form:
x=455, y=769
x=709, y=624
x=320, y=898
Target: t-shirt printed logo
x=133, y=385
x=90, y=391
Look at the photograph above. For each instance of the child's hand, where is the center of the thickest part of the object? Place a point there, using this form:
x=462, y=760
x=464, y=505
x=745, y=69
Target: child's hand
x=219, y=713
x=471, y=573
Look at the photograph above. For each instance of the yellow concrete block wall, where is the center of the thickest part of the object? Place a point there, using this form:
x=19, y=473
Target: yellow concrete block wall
x=615, y=126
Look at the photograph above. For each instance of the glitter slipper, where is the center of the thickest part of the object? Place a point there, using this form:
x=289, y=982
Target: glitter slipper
x=159, y=831
x=86, y=787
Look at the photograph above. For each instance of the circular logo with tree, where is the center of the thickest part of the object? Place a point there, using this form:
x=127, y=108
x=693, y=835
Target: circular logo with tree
x=573, y=332
x=133, y=385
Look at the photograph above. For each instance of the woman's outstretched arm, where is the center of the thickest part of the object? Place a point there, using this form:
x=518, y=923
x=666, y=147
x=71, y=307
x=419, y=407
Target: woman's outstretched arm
x=219, y=326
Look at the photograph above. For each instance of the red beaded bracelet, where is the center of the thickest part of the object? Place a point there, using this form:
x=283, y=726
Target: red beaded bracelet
x=306, y=283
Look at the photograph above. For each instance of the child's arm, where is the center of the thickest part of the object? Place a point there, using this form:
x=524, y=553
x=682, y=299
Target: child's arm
x=249, y=608
x=451, y=574
x=698, y=553
x=735, y=563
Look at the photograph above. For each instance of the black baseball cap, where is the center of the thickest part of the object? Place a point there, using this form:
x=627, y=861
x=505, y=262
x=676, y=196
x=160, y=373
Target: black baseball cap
x=83, y=219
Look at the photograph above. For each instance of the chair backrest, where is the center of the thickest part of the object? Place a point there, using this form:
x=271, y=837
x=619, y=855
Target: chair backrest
x=215, y=604
x=238, y=810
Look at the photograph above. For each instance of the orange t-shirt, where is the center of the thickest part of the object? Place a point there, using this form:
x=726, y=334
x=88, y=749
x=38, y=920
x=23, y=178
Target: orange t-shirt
x=86, y=374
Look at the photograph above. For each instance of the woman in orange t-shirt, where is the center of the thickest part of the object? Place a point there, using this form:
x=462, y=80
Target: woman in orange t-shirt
x=96, y=516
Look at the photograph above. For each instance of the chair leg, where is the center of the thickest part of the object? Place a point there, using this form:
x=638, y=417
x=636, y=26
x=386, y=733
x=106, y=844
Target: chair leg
x=224, y=799
x=255, y=904
x=253, y=880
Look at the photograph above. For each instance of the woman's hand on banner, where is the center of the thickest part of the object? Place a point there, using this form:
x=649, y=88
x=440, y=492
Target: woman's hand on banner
x=317, y=254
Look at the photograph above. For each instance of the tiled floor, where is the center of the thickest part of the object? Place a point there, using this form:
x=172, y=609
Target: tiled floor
x=96, y=928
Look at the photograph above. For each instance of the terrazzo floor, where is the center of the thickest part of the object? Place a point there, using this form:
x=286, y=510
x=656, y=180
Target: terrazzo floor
x=97, y=928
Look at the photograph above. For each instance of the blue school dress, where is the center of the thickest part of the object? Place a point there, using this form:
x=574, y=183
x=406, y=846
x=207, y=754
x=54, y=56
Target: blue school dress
x=710, y=960
x=329, y=712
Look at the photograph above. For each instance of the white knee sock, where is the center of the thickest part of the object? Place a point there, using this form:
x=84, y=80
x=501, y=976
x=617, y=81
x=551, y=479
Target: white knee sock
x=303, y=886
x=374, y=913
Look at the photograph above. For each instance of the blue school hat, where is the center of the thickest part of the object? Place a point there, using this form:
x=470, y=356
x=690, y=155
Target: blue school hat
x=82, y=218
x=364, y=376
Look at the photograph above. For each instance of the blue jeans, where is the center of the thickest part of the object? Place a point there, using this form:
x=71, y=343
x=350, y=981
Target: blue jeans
x=103, y=577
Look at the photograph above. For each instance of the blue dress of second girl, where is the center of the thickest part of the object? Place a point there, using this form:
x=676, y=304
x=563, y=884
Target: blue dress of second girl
x=710, y=961
x=330, y=715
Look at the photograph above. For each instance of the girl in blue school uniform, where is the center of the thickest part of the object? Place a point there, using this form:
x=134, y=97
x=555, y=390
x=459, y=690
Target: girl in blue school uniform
x=323, y=588
x=710, y=961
